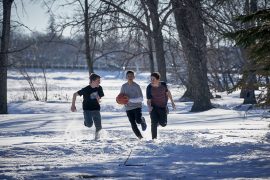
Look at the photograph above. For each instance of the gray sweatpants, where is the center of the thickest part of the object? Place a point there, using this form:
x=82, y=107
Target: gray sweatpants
x=90, y=116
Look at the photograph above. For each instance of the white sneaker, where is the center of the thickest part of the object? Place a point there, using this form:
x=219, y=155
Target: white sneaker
x=97, y=135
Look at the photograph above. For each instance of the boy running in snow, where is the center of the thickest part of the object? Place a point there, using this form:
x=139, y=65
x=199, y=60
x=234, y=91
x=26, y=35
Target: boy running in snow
x=157, y=94
x=134, y=105
x=91, y=99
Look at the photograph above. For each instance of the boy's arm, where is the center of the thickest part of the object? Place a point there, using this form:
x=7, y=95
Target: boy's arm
x=73, y=107
x=136, y=100
x=139, y=98
x=149, y=105
x=149, y=97
x=100, y=94
x=171, y=99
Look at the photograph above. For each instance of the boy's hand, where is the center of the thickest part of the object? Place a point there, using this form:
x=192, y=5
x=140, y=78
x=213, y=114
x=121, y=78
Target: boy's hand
x=150, y=108
x=73, y=108
x=173, y=106
x=98, y=99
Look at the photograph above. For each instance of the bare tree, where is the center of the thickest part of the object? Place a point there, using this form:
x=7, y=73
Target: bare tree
x=89, y=59
x=157, y=36
x=29, y=80
x=153, y=13
x=5, y=37
x=149, y=37
x=189, y=24
x=85, y=20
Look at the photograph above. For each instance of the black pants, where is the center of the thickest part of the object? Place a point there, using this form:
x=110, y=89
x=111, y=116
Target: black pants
x=158, y=115
x=134, y=117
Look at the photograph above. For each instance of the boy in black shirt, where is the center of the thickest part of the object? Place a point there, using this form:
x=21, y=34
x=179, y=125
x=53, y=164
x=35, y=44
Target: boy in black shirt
x=91, y=99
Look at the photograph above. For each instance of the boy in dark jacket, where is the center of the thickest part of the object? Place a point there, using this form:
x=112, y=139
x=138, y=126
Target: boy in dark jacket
x=157, y=94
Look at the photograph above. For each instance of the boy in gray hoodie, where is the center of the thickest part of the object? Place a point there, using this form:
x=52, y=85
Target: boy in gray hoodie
x=134, y=105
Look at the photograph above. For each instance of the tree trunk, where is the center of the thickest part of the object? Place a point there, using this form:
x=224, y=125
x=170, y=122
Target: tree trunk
x=268, y=90
x=249, y=97
x=158, y=38
x=151, y=56
x=89, y=59
x=247, y=91
x=187, y=96
x=149, y=38
x=191, y=33
x=4, y=54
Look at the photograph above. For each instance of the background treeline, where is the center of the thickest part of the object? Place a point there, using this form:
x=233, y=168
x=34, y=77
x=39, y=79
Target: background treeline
x=47, y=51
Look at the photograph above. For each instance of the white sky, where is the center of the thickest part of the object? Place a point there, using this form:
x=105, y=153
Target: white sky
x=33, y=14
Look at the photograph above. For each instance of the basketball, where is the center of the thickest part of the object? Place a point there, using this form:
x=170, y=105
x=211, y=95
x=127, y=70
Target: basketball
x=122, y=99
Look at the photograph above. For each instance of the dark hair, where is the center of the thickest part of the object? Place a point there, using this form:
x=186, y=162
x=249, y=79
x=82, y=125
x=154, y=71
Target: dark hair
x=93, y=77
x=130, y=72
x=156, y=75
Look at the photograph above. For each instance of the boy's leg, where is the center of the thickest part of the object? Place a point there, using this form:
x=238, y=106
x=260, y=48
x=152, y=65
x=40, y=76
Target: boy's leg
x=88, y=118
x=162, y=112
x=154, y=123
x=138, y=115
x=97, y=120
x=139, y=119
x=132, y=120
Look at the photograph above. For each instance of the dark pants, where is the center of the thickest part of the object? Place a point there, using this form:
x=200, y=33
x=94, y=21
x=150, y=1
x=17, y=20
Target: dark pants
x=134, y=117
x=90, y=116
x=158, y=115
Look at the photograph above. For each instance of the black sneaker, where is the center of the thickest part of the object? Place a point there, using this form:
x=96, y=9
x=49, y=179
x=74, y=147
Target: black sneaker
x=143, y=124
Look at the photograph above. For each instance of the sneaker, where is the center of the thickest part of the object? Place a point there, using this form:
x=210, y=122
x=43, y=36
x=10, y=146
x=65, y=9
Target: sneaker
x=97, y=135
x=143, y=124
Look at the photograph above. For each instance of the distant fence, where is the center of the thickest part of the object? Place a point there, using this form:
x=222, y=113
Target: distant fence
x=114, y=67
x=54, y=66
x=80, y=66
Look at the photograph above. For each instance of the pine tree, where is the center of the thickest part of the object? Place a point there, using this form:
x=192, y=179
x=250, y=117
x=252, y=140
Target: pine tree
x=256, y=39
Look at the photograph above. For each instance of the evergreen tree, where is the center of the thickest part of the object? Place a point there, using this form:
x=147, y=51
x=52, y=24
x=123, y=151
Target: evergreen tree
x=256, y=39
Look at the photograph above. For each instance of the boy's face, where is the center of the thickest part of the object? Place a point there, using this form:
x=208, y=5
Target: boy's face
x=154, y=81
x=96, y=82
x=130, y=76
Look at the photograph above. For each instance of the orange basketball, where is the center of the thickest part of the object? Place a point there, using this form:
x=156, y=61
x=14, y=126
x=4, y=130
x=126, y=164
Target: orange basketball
x=122, y=99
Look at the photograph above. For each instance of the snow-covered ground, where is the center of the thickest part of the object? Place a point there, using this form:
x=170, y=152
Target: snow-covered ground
x=46, y=141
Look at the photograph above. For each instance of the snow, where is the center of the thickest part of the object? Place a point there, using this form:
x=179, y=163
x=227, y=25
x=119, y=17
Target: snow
x=41, y=140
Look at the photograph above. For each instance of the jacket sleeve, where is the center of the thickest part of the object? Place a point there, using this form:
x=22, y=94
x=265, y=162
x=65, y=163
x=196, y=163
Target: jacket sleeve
x=122, y=90
x=165, y=85
x=100, y=92
x=81, y=92
x=136, y=100
x=148, y=92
